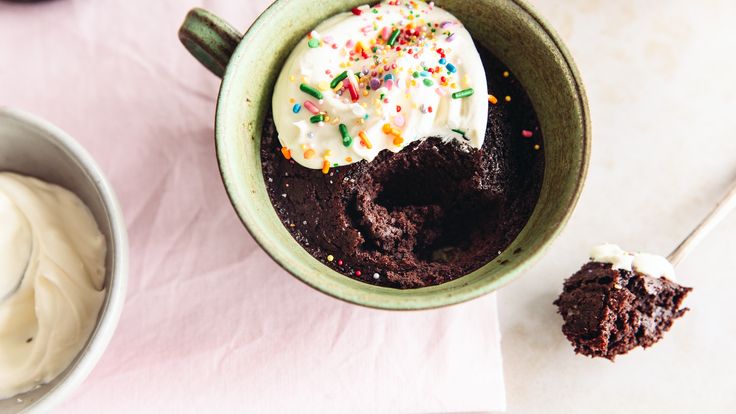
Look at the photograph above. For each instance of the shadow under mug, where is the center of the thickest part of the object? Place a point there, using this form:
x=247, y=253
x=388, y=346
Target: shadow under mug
x=249, y=65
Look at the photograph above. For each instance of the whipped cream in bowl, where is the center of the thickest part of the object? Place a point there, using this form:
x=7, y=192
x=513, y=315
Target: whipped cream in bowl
x=54, y=201
x=47, y=321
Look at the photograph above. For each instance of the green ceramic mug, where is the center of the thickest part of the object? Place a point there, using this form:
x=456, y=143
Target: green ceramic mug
x=249, y=65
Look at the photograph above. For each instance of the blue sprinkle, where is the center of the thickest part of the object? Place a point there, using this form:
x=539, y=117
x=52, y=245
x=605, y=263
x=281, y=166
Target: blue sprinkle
x=443, y=61
x=297, y=107
x=388, y=76
x=451, y=68
x=424, y=73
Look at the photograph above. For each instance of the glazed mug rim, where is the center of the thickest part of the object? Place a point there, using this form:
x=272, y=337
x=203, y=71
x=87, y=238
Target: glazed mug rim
x=222, y=54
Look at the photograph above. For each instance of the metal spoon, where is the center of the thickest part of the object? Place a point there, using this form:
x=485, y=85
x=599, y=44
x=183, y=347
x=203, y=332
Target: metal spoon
x=719, y=212
x=11, y=286
x=15, y=225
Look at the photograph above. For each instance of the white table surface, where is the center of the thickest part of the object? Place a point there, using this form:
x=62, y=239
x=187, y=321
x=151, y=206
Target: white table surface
x=661, y=81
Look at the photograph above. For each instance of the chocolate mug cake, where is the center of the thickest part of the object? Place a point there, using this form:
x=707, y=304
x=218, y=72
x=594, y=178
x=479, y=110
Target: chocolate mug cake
x=398, y=152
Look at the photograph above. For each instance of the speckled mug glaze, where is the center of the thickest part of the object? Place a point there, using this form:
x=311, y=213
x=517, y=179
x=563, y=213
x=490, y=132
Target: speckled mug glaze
x=510, y=29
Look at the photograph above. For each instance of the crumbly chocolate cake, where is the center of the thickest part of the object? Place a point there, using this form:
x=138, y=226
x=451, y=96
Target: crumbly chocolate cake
x=431, y=213
x=608, y=312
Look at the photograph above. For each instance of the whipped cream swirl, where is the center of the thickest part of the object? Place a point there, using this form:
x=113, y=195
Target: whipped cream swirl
x=379, y=78
x=47, y=321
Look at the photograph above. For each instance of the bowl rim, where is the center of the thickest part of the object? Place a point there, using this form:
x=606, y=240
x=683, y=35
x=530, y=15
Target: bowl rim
x=438, y=301
x=109, y=315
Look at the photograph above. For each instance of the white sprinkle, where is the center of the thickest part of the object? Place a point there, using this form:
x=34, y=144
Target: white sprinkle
x=283, y=195
x=304, y=222
x=376, y=276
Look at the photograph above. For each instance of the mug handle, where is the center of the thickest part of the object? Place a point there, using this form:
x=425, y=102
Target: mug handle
x=209, y=39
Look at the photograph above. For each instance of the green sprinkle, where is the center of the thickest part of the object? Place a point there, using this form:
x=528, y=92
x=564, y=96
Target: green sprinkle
x=339, y=78
x=313, y=43
x=393, y=37
x=415, y=74
x=459, y=131
x=317, y=118
x=311, y=91
x=428, y=82
x=462, y=94
x=346, y=138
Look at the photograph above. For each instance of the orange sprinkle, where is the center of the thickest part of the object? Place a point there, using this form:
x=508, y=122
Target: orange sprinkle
x=492, y=99
x=286, y=152
x=348, y=159
x=387, y=129
x=398, y=140
x=309, y=153
x=364, y=139
x=325, y=167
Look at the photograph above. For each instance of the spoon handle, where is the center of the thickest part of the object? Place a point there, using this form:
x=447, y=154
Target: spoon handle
x=721, y=210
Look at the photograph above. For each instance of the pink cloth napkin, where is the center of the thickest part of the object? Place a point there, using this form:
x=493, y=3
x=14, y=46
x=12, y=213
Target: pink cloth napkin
x=211, y=323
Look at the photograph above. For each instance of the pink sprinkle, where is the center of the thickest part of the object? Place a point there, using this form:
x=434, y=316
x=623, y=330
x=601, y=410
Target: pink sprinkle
x=389, y=84
x=526, y=133
x=399, y=121
x=311, y=107
x=350, y=43
x=385, y=33
x=451, y=37
x=328, y=39
x=366, y=29
x=445, y=25
x=440, y=92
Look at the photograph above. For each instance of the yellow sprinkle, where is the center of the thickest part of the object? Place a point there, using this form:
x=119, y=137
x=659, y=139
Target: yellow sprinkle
x=492, y=99
x=325, y=167
x=348, y=159
x=505, y=74
x=327, y=153
x=309, y=153
x=304, y=147
x=327, y=118
x=365, y=92
x=507, y=98
x=292, y=100
x=536, y=146
x=304, y=79
x=324, y=86
x=330, y=257
x=364, y=139
x=292, y=78
x=453, y=85
x=338, y=86
x=387, y=129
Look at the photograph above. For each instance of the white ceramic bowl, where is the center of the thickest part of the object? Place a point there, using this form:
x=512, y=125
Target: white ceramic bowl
x=31, y=146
